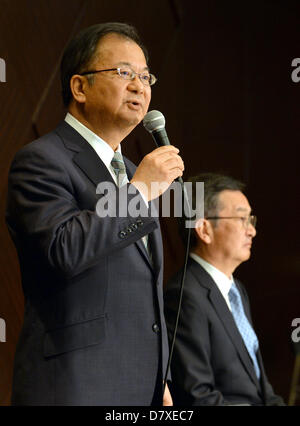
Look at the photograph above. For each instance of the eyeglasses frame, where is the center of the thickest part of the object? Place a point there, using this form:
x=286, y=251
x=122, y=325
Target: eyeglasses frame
x=250, y=220
x=133, y=75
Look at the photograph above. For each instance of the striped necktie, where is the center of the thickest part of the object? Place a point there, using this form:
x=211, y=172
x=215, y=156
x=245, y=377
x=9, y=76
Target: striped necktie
x=119, y=167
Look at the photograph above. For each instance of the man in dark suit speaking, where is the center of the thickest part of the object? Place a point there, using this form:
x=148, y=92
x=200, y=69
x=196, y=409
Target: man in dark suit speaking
x=216, y=358
x=94, y=331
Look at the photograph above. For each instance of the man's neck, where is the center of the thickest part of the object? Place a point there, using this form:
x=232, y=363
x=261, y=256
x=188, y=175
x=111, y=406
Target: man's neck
x=112, y=136
x=222, y=265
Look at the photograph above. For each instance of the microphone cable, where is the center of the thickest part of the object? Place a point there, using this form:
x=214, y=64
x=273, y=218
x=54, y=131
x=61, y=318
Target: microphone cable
x=154, y=123
x=187, y=250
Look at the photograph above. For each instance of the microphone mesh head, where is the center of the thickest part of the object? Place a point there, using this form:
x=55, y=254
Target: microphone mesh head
x=153, y=121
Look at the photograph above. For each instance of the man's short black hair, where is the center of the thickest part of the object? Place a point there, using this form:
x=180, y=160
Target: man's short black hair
x=214, y=184
x=80, y=51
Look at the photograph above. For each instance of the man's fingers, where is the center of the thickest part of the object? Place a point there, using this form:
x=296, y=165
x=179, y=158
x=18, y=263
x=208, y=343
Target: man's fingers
x=163, y=165
x=164, y=150
x=173, y=162
x=175, y=173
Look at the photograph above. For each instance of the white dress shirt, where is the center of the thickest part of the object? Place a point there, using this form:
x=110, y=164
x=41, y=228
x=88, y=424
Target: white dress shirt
x=222, y=281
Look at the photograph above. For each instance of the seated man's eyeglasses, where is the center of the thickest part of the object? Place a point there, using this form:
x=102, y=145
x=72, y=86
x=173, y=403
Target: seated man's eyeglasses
x=246, y=220
x=128, y=74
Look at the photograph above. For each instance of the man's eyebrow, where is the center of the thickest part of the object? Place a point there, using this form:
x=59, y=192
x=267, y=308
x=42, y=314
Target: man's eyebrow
x=146, y=68
x=243, y=209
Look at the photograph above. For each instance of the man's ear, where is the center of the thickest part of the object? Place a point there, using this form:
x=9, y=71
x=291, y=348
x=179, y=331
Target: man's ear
x=203, y=230
x=78, y=86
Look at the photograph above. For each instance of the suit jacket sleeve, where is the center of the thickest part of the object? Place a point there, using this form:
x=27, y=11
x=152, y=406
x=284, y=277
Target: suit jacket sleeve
x=44, y=208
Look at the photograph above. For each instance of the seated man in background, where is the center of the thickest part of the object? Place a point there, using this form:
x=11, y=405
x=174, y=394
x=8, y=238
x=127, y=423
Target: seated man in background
x=216, y=359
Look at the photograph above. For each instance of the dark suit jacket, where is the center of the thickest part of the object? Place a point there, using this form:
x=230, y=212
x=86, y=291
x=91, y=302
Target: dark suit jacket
x=211, y=365
x=94, y=332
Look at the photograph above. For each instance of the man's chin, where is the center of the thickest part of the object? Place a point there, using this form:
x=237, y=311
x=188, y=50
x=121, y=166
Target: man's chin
x=132, y=120
x=247, y=255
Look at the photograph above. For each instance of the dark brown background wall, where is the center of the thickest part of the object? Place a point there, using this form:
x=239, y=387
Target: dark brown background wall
x=226, y=91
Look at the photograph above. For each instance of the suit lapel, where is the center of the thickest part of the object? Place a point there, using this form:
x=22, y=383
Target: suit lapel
x=85, y=158
x=219, y=304
x=154, y=238
x=263, y=377
x=93, y=167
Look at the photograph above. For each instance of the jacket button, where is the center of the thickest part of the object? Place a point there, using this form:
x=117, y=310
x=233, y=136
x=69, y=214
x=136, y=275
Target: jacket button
x=133, y=226
x=155, y=328
x=139, y=222
x=122, y=234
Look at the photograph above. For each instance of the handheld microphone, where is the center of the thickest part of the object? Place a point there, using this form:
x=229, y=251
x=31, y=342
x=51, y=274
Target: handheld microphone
x=154, y=122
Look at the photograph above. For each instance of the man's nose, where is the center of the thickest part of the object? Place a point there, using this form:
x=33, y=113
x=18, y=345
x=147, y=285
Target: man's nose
x=136, y=85
x=251, y=230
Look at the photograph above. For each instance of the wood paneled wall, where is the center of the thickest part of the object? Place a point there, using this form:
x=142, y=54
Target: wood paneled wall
x=225, y=89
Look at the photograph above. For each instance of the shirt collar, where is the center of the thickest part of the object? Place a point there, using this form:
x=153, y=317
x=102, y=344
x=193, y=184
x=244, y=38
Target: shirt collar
x=102, y=148
x=221, y=280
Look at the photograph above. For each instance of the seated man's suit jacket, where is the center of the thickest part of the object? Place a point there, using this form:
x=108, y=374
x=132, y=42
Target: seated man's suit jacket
x=94, y=332
x=210, y=364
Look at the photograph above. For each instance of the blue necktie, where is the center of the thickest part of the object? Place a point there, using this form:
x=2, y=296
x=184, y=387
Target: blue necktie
x=245, y=328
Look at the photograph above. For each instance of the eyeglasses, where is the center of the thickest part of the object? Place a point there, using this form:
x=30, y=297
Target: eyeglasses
x=128, y=74
x=246, y=221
